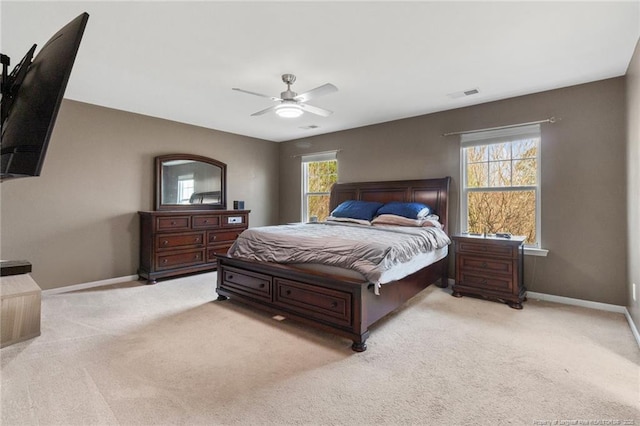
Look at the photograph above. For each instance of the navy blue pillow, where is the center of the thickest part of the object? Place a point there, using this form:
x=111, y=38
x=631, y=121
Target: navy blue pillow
x=363, y=210
x=408, y=210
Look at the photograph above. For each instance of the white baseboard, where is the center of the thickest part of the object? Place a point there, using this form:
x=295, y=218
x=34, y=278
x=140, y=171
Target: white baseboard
x=588, y=304
x=91, y=284
x=632, y=325
x=576, y=302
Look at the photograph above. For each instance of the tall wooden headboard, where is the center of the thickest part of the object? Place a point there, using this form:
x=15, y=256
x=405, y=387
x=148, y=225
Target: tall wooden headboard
x=432, y=192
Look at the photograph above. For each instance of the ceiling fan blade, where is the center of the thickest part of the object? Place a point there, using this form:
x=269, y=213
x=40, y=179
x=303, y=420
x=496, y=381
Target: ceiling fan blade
x=264, y=111
x=325, y=89
x=315, y=110
x=273, y=98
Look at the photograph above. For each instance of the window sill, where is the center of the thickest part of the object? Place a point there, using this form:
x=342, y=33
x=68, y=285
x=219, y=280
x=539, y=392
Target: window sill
x=532, y=251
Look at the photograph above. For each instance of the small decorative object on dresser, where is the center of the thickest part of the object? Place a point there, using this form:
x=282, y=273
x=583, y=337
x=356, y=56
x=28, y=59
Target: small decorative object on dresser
x=490, y=267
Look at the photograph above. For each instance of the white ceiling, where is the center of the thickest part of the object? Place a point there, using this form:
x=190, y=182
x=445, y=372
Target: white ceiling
x=389, y=60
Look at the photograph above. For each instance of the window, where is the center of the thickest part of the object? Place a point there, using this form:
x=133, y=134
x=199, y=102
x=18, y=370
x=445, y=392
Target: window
x=185, y=188
x=319, y=173
x=501, y=182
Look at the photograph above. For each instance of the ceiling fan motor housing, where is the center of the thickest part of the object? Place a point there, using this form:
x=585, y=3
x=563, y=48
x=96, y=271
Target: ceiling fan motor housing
x=288, y=79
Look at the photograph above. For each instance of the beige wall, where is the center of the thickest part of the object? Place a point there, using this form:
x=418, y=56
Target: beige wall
x=77, y=222
x=633, y=182
x=583, y=177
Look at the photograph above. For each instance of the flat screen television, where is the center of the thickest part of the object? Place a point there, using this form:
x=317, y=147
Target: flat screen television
x=31, y=98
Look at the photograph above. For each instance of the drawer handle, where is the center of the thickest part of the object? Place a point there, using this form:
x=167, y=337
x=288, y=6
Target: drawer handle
x=334, y=304
x=165, y=242
x=214, y=237
x=288, y=292
x=261, y=285
x=206, y=221
x=484, y=281
x=173, y=222
x=197, y=256
x=230, y=276
x=164, y=260
x=484, y=264
x=197, y=240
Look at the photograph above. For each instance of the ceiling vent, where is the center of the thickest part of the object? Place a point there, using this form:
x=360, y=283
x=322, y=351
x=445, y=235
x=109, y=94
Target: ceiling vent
x=464, y=93
x=309, y=127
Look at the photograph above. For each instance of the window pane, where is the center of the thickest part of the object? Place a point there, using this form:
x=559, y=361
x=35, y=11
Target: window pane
x=503, y=211
x=500, y=151
x=477, y=175
x=321, y=175
x=526, y=148
x=524, y=172
x=317, y=205
x=500, y=173
x=476, y=154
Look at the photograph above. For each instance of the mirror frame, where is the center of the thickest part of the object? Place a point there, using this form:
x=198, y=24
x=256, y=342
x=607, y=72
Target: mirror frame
x=222, y=205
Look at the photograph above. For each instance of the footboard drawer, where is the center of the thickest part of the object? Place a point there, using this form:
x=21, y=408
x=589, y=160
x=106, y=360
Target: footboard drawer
x=246, y=283
x=316, y=302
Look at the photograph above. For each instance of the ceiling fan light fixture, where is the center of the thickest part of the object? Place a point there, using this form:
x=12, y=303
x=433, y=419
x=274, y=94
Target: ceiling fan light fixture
x=289, y=111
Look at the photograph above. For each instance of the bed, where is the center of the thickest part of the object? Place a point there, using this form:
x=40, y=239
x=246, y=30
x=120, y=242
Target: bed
x=345, y=304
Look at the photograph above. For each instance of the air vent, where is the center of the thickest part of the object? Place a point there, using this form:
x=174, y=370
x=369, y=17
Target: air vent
x=464, y=93
x=309, y=127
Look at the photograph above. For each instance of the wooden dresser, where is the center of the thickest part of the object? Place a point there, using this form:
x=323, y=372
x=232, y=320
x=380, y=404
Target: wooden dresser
x=490, y=267
x=182, y=242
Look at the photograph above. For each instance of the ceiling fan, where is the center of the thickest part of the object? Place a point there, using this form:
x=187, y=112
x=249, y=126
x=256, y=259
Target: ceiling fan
x=290, y=104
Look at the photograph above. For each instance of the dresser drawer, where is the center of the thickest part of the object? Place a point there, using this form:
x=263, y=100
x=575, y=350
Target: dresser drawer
x=180, y=259
x=234, y=220
x=173, y=223
x=206, y=221
x=485, y=281
x=247, y=283
x=484, y=248
x=221, y=237
x=213, y=251
x=488, y=265
x=174, y=241
x=324, y=304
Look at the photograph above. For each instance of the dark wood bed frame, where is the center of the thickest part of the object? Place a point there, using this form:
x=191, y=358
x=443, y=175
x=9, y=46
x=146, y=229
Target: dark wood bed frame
x=344, y=306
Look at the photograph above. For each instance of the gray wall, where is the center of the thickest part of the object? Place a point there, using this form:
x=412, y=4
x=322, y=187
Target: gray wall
x=77, y=222
x=583, y=177
x=633, y=182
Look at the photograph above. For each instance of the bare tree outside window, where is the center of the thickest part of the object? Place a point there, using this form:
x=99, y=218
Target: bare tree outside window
x=501, y=187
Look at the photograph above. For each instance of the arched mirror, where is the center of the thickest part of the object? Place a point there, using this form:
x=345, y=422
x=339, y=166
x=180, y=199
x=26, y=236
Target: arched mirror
x=190, y=182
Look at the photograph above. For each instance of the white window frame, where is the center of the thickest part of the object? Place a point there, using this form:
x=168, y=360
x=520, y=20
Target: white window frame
x=491, y=137
x=312, y=158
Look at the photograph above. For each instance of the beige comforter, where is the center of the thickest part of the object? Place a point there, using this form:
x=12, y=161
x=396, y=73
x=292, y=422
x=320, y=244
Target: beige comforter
x=370, y=250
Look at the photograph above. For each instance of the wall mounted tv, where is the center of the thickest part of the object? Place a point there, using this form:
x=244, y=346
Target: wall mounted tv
x=31, y=98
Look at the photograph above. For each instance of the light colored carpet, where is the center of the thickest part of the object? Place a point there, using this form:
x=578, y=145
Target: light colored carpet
x=169, y=354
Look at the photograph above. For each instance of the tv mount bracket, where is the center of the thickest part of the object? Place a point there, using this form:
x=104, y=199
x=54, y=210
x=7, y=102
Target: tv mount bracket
x=11, y=82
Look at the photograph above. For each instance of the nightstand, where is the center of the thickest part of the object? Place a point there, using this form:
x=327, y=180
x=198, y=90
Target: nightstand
x=490, y=267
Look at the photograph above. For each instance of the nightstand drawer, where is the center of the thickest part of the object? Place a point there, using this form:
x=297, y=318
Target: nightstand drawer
x=487, y=265
x=481, y=281
x=484, y=248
